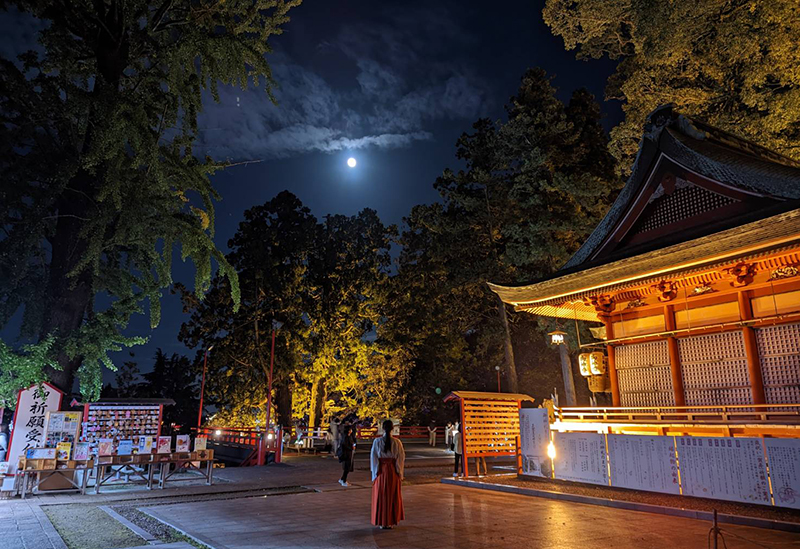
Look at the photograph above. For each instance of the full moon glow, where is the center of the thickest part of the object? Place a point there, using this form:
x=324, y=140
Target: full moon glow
x=351, y=162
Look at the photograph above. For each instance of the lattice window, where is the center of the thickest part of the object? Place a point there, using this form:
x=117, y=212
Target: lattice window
x=491, y=427
x=644, y=375
x=715, y=369
x=779, y=352
x=685, y=202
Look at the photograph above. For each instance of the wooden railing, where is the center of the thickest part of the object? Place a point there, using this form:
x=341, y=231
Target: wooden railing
x=259, y=441
x=783, y=414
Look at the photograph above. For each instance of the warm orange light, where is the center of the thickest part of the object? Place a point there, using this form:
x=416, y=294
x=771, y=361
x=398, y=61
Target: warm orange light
x=583, y=363
x=551, y=451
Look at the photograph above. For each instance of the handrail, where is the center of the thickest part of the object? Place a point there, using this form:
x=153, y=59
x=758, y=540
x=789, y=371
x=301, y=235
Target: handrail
x=753, y=413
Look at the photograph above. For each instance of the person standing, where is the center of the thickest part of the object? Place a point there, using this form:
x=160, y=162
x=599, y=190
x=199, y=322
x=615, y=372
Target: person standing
x=387, y=462
x=457, y=450
x=432, y=434
x=448, y=435
x=481, y=460
x=334, y=428
x=346, y=452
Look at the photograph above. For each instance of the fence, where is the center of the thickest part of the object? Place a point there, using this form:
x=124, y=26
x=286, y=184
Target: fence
x=260, y=442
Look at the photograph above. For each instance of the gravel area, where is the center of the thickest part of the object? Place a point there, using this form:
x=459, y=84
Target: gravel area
x=652, y=498
x=158, y=529
x=87, y=527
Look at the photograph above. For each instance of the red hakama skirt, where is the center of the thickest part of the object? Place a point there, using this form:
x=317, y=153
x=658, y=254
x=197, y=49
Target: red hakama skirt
x=387, y=500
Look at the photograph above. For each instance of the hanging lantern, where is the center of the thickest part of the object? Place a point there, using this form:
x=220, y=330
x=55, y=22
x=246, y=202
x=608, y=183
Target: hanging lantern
x=583, y=363
x=597, y=363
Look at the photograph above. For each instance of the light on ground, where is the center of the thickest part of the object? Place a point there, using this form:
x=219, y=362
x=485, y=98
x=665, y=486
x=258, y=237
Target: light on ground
x=351, y=162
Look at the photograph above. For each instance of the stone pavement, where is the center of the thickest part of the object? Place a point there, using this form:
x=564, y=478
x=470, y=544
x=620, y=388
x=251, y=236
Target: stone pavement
x=442, y=516
x=25, y=526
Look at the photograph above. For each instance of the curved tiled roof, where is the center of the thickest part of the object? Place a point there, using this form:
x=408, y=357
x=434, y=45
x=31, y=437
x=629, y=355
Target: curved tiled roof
x=708, y=151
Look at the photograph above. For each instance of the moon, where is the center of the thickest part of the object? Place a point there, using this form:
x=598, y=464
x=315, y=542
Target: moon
x=351, y=162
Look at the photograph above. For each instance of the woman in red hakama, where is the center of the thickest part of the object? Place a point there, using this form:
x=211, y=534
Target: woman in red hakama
x=387, y=460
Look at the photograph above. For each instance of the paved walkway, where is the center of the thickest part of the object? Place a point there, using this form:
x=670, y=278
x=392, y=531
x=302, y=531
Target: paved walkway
x=442, y=516
x=25, y=526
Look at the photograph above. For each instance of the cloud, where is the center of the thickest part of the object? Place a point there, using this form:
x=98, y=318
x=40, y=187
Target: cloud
x=403, y=77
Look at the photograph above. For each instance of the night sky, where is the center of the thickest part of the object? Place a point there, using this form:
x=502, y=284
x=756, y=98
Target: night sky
x=391, y=83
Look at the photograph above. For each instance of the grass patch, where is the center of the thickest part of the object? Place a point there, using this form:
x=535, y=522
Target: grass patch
x=87, y=527
x=158, y=529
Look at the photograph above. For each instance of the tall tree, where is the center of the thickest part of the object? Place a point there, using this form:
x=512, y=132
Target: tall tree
x=732, y=63
x=100, y=181
x=270, y=251
x=533, y=188
x=127, y=380
x=175, y=377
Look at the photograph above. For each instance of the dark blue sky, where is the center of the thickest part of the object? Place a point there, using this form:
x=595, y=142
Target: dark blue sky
x=391, y=83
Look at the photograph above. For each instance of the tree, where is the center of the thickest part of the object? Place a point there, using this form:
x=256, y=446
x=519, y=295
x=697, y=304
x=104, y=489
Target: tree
x=533, y=189
x=270, y=251
x=175, y=377
x=320, y=283
x=730, y=63
x=100, y=180
x=127, y=380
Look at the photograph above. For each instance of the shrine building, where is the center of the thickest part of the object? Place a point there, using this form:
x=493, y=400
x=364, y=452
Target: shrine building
x=694, y=273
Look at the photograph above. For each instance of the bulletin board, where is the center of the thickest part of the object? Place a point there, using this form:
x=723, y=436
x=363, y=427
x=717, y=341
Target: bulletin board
x=62, y=427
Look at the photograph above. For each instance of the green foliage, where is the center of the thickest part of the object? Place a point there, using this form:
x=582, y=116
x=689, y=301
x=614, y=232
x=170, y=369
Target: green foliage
x=100, y=180
x=23, y=368
x=734, y=64
x=319, y=283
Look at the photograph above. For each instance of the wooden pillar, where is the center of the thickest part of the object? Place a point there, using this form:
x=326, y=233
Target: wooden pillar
x=751, y=350
x=674, y=358
x=612, y=366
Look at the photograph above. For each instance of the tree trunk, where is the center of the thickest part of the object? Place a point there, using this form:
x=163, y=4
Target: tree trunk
x=284, y=402
x=69, y=300
x=317, y=402
x=511, y=368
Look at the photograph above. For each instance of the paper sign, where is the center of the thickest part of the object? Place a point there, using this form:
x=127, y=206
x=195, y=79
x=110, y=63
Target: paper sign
x=29, y=417
x=145, y=445
x=81, y=451
x=40, y=453
x=125, y=448
x=580, y=457
x=182, y=443
x=723, y=468
x=200, y=443
x=164, y=444
x=784, y=470
x=643, y=462
x=63, y=450
x=105, y=447
x=534, y=432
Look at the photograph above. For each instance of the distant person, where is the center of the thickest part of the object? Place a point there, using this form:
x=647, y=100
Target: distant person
x=346, y=449
x=478, y=461
x=335, y=436
x=3, y=441
x=387, y=461
x=457, y=450
x=448, y=436
x=432, y=434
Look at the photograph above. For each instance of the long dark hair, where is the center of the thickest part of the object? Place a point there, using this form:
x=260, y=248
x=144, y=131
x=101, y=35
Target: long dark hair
x=387, y=435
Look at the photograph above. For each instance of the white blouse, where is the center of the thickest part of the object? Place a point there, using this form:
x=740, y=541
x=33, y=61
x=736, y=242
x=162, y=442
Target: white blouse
x=398, y=453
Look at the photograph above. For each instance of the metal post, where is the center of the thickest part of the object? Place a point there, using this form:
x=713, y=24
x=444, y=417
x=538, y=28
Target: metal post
x=269, y=390
x=202, y=388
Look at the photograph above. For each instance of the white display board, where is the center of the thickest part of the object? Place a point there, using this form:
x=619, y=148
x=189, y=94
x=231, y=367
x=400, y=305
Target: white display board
x=581, y=457
x=724, y=468
x=534, y=435
x=643, y=463
x=784, y=470
x=29, y=420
